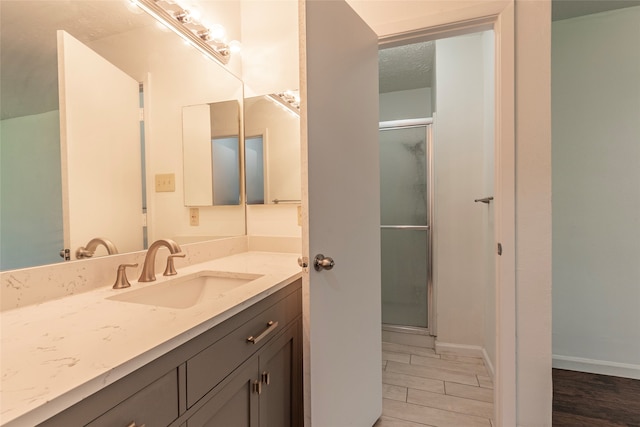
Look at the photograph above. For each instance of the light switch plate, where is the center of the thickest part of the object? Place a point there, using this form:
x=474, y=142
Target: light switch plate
x=165, y=182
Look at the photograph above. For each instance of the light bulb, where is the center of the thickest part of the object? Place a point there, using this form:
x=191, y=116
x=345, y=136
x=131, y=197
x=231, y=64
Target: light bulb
x=235, y=46
x=195, y=14
x=217, y=32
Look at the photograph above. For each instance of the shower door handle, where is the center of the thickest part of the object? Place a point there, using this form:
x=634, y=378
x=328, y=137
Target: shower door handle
x=322, y=262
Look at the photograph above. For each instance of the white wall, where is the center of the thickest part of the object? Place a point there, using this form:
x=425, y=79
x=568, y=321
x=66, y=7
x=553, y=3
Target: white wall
x=596, y=190
x=463, y=172
x=406, y=104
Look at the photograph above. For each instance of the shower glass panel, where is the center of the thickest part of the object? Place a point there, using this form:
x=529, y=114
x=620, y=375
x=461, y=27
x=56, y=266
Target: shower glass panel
x=404, y=184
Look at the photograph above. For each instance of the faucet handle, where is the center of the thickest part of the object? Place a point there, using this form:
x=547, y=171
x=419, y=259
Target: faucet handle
x=121, y=278
x=171, y=269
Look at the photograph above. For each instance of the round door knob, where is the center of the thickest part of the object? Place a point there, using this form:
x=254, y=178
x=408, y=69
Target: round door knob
x=322, y=262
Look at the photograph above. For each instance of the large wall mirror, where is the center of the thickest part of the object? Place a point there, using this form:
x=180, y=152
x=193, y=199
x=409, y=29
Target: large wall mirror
x=79, y=160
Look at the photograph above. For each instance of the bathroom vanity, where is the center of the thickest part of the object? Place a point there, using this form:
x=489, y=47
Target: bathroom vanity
x=229, y=357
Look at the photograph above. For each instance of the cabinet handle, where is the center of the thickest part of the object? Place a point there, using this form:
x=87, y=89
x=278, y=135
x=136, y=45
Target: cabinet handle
x=257, y=387
x=266, y=378
x=270, y=327
x=133, y=424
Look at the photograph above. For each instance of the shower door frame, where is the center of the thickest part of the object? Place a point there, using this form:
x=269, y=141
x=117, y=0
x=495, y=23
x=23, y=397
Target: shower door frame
x=427, y=124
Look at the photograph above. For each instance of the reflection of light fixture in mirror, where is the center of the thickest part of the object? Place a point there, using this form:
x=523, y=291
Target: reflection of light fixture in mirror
x=289, y=100
x=185, y=23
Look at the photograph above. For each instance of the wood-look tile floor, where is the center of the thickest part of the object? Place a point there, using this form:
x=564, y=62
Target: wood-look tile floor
x=421, y=388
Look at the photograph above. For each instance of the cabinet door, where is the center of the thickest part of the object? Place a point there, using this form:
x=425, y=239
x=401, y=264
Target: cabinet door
x=236, y=404
x=281, y=376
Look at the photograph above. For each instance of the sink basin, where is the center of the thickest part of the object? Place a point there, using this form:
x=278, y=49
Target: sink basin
x=187, y=291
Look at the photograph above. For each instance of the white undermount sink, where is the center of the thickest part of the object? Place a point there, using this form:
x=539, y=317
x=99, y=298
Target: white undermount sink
x=186, y=291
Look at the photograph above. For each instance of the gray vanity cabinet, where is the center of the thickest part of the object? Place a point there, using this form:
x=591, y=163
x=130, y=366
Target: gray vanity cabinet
x=235, y=404
x=246, y=371
x=280, y=400
x=263, y=392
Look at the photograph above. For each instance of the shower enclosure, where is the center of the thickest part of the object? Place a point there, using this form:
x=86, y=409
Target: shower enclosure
x=406, y=208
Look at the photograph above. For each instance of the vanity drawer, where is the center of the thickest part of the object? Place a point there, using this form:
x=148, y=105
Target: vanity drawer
x=154, y=405
x=206, y=369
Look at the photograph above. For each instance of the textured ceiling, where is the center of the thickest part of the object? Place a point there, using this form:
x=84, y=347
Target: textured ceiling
x=28, y=58
x=406, y=67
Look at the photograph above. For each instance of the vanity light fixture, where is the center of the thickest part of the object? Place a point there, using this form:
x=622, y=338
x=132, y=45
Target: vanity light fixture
x=185, y=23
x=289, y=100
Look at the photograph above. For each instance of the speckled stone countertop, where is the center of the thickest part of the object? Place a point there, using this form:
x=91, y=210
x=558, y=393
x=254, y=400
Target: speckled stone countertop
x=57, y=353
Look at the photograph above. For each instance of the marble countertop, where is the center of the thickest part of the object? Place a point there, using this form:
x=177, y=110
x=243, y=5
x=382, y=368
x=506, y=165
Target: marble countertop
x=56, y=353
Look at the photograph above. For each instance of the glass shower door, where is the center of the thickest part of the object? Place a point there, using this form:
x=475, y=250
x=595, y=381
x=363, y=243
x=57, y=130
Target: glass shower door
x=405, y=184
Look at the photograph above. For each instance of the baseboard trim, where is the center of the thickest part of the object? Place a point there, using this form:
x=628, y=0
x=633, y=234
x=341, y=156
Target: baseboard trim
x=602, y=367
x=404, y=338
x=488, y=364
x=468, y=351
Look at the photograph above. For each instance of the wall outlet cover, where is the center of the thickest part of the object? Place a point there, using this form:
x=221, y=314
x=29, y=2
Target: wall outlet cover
x=194, y=216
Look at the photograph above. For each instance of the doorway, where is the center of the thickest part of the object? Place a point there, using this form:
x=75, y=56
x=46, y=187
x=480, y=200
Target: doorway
x=437, y=224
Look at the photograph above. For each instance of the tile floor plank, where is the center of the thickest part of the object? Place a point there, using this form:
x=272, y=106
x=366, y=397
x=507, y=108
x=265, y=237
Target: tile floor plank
x=396, y=357
x=394, y=392
x=421, y=388
x=433, y=373
x=469, y=392
x=465, y=359
x=410, y=381
x=433, y=416
x=394, y=422
x=409, y=349
x=485, y=381
x=450, y=403
x=448, y=365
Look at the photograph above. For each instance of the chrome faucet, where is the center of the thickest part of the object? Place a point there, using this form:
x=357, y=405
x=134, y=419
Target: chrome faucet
x=88, y=251
x=149, y=266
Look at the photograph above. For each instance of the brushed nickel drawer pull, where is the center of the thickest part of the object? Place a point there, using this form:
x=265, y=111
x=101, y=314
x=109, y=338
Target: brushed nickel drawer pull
x=270, y=327
x=266, y=378
x=133, y=424
x=257, y=387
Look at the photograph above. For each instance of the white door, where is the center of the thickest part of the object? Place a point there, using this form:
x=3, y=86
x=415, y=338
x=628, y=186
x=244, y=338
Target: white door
x=339, y=127
x=100, y=149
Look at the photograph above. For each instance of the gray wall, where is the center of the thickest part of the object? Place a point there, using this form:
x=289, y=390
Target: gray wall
x=596, y=192
x=30, y=197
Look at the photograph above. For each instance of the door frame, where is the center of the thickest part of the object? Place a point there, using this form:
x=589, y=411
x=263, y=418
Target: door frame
x=499, y=17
